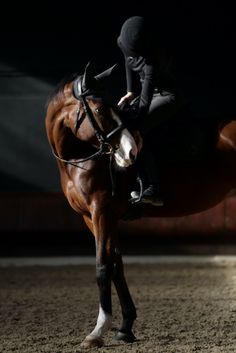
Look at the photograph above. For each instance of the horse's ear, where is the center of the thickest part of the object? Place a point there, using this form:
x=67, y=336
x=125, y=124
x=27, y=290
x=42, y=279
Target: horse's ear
x=107, y=73
x=88, y=78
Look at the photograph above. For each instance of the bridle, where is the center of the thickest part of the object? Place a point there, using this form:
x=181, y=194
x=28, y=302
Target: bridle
x=81, y=95
x=105, y=148
x=104, y=145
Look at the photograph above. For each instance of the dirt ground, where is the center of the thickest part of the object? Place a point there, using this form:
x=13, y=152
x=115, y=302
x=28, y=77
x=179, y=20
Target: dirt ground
x=181, y=308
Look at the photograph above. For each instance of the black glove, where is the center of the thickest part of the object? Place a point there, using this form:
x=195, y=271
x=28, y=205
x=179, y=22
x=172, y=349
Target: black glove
x=129, y=114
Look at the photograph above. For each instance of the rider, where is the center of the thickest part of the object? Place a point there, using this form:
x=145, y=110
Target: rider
x=157, y=97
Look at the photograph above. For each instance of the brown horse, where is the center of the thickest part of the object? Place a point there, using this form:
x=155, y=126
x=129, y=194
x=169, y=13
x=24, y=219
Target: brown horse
x=96, y=157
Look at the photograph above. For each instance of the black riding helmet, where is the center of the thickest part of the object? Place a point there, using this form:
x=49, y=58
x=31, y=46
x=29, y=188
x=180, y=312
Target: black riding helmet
x=133, y=36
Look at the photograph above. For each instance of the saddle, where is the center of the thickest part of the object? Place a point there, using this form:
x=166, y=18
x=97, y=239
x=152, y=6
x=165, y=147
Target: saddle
x=184, y=138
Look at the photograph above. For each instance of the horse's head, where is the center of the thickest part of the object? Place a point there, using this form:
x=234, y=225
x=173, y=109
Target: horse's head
x=99, y=122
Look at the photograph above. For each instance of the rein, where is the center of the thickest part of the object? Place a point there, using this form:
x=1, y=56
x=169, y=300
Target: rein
x=75, y=162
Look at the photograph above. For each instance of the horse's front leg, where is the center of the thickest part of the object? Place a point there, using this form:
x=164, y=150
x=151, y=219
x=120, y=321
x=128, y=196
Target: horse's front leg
x=103, y=229
x=127, y=306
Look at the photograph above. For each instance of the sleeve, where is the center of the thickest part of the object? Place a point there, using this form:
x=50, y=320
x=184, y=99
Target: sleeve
x=147, y=90
x=130, y=79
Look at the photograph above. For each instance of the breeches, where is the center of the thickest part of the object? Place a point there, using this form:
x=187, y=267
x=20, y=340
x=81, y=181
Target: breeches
x=163, y=106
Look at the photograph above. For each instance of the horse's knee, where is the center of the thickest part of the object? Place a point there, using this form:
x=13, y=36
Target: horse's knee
x=118, y=268
x=104, y=274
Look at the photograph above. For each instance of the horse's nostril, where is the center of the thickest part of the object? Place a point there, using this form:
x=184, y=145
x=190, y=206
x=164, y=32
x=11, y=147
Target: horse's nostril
x=132, y=157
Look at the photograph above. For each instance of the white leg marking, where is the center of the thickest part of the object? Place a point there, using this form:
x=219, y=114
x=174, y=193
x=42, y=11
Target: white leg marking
x=103, y=324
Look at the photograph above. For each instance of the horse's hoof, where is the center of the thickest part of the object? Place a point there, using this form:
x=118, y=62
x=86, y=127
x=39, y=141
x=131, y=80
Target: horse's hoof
x=92, y=342
x=126, y=337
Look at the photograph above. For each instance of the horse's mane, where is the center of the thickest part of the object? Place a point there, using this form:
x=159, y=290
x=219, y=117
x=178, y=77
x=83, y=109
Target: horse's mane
x=58, y=90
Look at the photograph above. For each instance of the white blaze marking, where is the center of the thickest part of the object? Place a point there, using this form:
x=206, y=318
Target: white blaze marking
x=103, y=324
x=127, y=147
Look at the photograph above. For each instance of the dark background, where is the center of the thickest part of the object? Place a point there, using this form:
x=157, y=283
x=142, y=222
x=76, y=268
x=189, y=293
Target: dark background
x=40, y=43
x=43, y=42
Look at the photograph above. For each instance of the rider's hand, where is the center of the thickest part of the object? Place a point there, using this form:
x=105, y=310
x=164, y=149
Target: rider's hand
x=126, y=99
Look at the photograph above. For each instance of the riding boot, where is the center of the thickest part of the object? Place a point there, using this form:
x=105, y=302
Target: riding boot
x=150, y=179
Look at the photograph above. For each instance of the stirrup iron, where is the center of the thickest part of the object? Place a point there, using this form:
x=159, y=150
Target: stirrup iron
x=140, y=182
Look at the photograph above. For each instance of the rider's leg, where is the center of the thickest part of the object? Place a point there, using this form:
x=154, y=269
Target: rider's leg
x=148, y=173
x=163, y=106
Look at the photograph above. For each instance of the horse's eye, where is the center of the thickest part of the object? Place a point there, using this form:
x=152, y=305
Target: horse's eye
x=97, y=110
